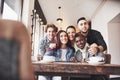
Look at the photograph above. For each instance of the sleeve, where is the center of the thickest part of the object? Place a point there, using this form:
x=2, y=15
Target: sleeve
x=100, y=54
x=42, y=47
x=100, y=40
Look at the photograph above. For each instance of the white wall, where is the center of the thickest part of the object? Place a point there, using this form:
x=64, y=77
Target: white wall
x=100, y=22
x=114, y=42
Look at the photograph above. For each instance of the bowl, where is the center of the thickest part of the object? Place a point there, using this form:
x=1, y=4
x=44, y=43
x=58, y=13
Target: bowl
x=96, y=59
x=48, y=58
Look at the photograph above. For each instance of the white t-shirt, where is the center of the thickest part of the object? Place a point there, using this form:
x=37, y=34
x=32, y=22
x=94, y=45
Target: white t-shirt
x=63, y=55
x=84, y=51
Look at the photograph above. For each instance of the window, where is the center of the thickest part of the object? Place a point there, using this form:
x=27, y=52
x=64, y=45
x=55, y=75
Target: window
x=9, y=13
x=11, y=9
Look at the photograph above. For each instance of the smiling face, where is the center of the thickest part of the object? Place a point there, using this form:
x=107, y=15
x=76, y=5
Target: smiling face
x=80, y=42
x=83, y=26
x=71, y=33
x=51, y=33
x=63, y=38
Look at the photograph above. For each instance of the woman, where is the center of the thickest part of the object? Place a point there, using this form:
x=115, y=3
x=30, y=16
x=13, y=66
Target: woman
x=65, y=51
x=71, y=31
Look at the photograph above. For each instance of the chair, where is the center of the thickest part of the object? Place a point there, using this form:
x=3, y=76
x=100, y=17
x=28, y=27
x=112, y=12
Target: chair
x=15, y=51
x=108, y=58
x=108, y=61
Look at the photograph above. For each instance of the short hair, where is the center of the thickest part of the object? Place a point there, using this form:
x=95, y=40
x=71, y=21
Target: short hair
x=79, y=34
x=51, y=26
x=82, y=18
x=71, y=26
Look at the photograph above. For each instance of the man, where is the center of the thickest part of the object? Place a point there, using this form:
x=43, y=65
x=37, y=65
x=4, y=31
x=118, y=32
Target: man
x=47, y=45
x=82, y=54
x=48, y=42
x=93, y=36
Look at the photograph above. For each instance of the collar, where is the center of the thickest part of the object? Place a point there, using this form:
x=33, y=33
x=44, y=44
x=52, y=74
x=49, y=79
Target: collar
x=84, y=49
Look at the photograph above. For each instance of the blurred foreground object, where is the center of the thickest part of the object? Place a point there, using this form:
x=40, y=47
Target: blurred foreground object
x=15, y=51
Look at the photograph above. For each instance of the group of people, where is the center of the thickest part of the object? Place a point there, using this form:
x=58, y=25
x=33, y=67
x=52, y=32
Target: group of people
x=71, y=46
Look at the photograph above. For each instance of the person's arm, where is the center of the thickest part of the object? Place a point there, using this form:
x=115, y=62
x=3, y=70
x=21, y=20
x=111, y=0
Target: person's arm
x=42, y=47
x=100, y=42
x=101, y=48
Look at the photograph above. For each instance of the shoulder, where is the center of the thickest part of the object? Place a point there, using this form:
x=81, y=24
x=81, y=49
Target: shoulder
x=43, y=39
x=78, y=52
x=94, y=31
x=72, y=49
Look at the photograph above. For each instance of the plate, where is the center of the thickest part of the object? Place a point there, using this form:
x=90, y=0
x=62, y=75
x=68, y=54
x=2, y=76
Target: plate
x=43, y=61
x=95, y=63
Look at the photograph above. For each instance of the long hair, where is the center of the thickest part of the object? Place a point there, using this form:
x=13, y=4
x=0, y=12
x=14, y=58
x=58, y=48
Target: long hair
x=58, y=42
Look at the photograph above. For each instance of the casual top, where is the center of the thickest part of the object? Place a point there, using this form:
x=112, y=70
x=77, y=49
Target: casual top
x=96, y=37
x=63, y=55
x=44, y=45
x=69, y=54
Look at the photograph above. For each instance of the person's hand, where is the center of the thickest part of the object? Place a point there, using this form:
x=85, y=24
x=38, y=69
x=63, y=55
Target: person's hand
x=93, y=49
x=52, y=45
x=72, y=59
x=39, y=57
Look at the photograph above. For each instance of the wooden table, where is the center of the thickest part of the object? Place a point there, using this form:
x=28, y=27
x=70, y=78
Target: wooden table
x=75, y=69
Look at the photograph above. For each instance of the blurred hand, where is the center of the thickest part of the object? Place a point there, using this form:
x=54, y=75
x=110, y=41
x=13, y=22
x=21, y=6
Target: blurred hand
x=93, y=49
x=73, y=59
x=52, y=45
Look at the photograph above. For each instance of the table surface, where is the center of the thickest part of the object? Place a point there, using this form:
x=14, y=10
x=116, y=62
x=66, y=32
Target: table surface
x=75, y=69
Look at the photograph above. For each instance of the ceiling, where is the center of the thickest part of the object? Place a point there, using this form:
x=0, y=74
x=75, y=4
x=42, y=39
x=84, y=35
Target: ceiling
x=70, y=10
x=116, y=19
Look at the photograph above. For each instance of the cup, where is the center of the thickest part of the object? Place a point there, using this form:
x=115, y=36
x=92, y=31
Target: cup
x=96, y=59
x=33, y=58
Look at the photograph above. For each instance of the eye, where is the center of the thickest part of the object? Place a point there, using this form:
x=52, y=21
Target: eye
x=85, y=23
x=68, y=32
x=65, y=35
x=81, y=24
x=61, y=35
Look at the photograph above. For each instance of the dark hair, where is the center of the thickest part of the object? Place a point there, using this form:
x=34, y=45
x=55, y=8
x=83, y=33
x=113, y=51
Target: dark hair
x=51, y=26
x=79, y=34
x=82, y=18
x=58, y=42
x=71, y=26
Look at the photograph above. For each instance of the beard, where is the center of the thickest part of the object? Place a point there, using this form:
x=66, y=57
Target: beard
x=84, y=33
